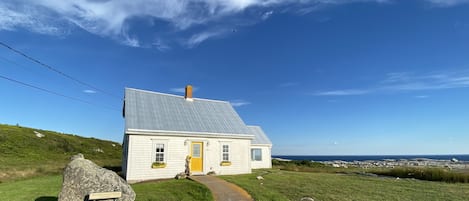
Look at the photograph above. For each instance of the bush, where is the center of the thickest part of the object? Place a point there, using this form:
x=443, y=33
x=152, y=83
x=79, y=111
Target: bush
x=429, y=174
x=302, y=166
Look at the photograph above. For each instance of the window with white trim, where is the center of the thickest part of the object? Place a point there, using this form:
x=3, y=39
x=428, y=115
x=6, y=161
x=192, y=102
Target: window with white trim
x=159, y=152
x=225, y=152
x=256, y=154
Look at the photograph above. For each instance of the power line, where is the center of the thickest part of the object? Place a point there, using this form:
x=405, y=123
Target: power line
x=14, y=63
x=55, y=93
x=56, y=70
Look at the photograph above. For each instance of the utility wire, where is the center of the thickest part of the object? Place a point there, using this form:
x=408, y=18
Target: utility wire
x=15, y=63
x=56, y=70
x=55, y=93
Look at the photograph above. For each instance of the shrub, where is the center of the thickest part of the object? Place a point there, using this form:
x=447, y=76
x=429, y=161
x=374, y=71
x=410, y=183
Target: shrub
x=429, y=174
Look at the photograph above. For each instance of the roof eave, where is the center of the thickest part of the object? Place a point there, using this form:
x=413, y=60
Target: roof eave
x=187, y=134
x=267, y=145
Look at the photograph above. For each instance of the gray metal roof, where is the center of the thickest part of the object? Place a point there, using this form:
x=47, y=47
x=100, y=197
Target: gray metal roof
x=259, y=136
x=148, y=110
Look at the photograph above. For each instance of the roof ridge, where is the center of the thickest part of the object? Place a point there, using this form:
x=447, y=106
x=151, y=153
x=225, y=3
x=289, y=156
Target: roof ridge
x=179, y=96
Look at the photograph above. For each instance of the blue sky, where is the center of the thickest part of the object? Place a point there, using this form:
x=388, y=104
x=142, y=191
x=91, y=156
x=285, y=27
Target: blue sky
x=322, y=77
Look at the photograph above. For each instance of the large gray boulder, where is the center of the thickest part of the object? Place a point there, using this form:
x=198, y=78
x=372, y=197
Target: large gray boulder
x=82, y=177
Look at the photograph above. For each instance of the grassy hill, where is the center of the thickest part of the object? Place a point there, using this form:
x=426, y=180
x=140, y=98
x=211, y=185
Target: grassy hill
x=290, y=185
x=27, y=152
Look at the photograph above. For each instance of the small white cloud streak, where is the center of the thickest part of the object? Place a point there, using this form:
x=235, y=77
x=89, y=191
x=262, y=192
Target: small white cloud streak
x=399, y=82
x=111, y=18
x=347, y=92
x=267, y=14
x=183, y=89
x=89, y=91
x=421, y=96
x=201, y=37
x=447, y=3
x=289, y=84
x=161, y=45
x=239, y=103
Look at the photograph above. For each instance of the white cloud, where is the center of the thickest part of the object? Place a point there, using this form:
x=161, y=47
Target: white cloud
x=29, y=18
x=89, y=91
x=400, y=82
x=289, y=84
x=239, y=103
x=421, y=96
x=161, y=45
x=267, y=14
x=111, y=18
x=178, y=90
x=447, y=3
x=201, y=37
x=183, y=89
x=347, y=92
x=412, y=82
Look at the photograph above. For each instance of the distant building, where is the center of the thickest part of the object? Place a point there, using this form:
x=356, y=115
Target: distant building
x=163, y=130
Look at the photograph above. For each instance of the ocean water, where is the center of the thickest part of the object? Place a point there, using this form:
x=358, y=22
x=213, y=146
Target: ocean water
x=350, y=158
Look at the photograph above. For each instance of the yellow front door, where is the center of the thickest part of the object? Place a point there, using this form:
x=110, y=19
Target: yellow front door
x=197, y=156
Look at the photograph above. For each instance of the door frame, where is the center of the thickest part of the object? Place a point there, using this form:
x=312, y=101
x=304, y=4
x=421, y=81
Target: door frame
x=202, y=152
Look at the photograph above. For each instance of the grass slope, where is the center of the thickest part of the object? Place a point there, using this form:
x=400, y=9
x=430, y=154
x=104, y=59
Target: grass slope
x=287, y=185
x=46, y=188
x=169, y=190
x=23, y=154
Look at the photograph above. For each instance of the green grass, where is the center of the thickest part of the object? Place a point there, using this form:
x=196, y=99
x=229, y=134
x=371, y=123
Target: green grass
x=30, y=167
x=46, y=188
x=287, y=185
x=169, y=190
x=23, y=155
x=308, y=166
x=421, y=173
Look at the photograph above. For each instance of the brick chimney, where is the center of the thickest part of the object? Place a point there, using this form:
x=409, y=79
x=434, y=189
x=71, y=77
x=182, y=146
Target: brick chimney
x=188, y=95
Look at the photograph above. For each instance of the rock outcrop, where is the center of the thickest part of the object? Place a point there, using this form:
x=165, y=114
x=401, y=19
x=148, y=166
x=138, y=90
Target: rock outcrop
x=82, y=177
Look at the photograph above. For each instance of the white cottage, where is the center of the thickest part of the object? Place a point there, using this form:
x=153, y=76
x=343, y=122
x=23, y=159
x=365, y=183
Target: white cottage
x=163, y=130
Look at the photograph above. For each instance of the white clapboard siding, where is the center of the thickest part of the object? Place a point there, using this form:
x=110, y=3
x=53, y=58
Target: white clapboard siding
x=266, y=157
x=140, y=156
x=239, y=157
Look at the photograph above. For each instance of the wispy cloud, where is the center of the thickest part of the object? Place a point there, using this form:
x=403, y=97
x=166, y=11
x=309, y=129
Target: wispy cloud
x=404, y=81
x=447, y=3
x=421, y=96
x=30, y=18
x=161, y=45
x=198, y=38
x=183, y=89
x=129, y=40
x=239, y=103
x=347, y=92
x=267, y=14
x=412, y=82
x=113, y=19
x=289, y=84
x=89, y=91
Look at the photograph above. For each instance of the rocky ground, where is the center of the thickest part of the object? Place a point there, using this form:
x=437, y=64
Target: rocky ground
x=391, y=163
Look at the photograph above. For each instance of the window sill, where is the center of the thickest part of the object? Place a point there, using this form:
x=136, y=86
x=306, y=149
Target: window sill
x=225, y=163
x=158, y=165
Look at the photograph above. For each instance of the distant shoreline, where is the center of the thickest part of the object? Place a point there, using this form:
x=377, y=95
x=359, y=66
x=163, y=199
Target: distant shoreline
x=351, y=158
x=441, y=161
